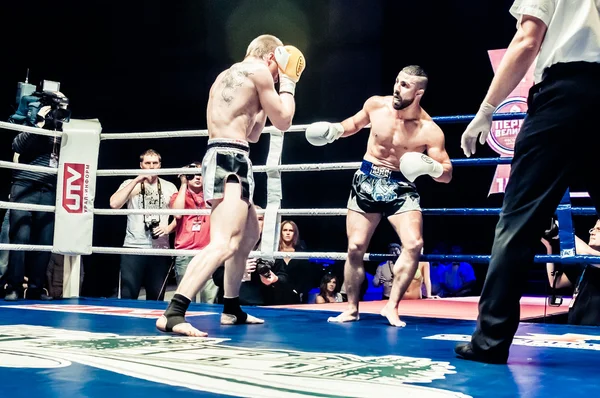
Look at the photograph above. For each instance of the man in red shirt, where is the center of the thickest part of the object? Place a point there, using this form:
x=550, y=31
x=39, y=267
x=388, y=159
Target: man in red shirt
x=192, y=232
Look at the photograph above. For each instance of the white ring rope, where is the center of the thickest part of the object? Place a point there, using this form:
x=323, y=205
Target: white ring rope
x=26, y=206
x=28, y=167
x=183, y=212
x=256, y=169
x=26, y=129
x=137, y=172
x=173, y=252
x=185, y=133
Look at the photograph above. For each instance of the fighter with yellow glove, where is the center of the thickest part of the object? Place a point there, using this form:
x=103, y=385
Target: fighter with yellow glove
x=291, y=64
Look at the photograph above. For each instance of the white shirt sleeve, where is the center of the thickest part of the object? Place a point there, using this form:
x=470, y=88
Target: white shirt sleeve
x=541, y=9
x=124, y=184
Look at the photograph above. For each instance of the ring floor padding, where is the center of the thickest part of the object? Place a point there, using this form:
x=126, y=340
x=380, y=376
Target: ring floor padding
x=110, y=348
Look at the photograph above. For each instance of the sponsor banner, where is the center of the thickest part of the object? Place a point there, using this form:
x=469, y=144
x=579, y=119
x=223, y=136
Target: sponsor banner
x=504, y=132
x=206, y=364
x=567, y=340
x=76, y=187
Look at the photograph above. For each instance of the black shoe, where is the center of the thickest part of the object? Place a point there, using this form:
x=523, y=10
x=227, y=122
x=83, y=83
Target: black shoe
x=466, y=351
x=11, y=296
x=37, y=294
x=45, y=297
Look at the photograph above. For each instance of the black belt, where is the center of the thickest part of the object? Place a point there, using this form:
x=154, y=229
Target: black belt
x=228, y=145
x=381, y=172
x=566, y=69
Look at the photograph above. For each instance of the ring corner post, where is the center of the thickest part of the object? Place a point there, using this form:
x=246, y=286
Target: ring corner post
x=75, y=193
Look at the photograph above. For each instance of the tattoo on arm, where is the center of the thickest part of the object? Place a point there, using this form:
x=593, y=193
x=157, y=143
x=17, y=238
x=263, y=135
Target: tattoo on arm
x=231, y=81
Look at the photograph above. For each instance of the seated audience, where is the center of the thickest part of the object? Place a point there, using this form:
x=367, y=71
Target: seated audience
x=384, y=275
x=264, y=283
x=327, y=290
x=584, y=278
x=303, y=274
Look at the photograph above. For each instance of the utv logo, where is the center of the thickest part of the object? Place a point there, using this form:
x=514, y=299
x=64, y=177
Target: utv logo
x=206, y=364
x=75, y=187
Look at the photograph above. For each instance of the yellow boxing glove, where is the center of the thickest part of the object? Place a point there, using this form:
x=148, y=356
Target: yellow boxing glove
x=291, y=64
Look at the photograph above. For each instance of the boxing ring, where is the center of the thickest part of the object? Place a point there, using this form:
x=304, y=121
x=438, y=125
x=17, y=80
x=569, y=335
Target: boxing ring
x=96, y=347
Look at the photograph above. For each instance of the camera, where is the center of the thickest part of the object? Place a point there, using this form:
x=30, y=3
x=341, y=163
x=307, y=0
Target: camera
x=263, y=267
x=191, y=176
x=47, y=109
x=150, y=226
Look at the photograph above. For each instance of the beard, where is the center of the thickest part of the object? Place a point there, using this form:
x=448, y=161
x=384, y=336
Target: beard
x=398, y=103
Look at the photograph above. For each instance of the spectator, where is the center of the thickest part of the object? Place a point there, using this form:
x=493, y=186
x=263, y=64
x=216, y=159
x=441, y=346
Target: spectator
x=145, y=230
x=33, y=227
x=303, y=274
x=584, y=278
x=384, y=274
x=271, y=287
x=192, y=232
x=457, y=279
x=327, y=290
x=4, y=253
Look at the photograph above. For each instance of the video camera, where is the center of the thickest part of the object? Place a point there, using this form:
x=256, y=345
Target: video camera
x=46, y=109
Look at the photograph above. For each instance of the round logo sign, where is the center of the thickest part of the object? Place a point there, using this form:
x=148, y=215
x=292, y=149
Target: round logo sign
x=504, y=132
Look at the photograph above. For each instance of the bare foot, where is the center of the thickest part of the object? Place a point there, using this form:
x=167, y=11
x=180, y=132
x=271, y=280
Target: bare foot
x=184, y=329
x=228, y=319
x=346, y=316
x=392, y=316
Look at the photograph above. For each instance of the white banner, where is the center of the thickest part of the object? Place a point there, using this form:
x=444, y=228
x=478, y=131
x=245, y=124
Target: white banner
x=76, y=187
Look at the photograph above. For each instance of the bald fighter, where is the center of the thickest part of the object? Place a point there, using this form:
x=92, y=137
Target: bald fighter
x=401, y=132
x=240, y=100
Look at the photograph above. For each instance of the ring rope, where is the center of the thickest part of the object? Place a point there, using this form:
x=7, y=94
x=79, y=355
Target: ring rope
x=580, y=211
x=26, y=206
x=137, y=172
x=28, y=167
x=286, y=167
x=339, y=256
x=270, y=129
x=35, y=130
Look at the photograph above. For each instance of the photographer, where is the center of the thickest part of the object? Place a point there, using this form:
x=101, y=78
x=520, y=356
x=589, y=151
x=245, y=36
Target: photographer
x=583, y=278
x=192, y=232
x=145, y=230
x=46, y=110
x=264, y=283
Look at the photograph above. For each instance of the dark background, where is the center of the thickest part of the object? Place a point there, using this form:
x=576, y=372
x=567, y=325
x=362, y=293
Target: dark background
x=148, y=66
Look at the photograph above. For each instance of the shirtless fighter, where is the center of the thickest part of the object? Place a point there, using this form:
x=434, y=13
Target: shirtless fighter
x=240, y=100
x=384, y=186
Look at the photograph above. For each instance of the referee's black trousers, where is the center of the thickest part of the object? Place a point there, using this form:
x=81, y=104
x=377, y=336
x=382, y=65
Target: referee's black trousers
x=559, y=143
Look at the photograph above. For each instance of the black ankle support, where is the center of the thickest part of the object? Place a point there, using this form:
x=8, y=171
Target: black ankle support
x=231, y=306
x=176, y=310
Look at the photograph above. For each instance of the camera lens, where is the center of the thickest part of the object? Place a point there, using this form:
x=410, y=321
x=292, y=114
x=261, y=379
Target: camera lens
x=151, y=226
x=263, y=267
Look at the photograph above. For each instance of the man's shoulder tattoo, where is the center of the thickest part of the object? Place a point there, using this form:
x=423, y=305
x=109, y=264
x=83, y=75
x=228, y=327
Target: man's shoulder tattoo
x=234, y=78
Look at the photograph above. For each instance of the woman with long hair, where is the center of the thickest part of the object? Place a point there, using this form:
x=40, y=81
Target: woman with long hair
x=327, y=290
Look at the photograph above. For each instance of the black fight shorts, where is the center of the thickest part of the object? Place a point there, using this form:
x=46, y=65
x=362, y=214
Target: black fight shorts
x=383, y=191
x=224, y=158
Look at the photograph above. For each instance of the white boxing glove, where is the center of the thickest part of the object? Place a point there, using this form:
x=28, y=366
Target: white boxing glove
x=415, y=164
x=481, y=124
x=323, y=133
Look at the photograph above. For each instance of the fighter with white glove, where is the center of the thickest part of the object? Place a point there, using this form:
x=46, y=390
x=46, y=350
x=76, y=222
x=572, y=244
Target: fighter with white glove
x=415, y=164
x=481, y=124
x=323, y=133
